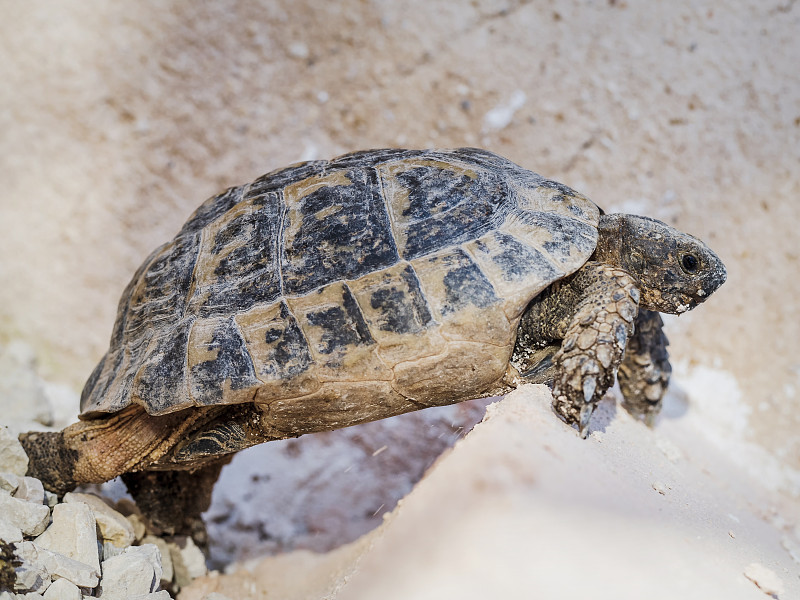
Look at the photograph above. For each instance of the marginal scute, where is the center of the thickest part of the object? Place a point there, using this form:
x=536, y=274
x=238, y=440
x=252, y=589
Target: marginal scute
x=354, y=284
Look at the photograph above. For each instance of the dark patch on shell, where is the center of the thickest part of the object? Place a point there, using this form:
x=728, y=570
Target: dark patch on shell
x=342, y=325
x=370, y=158
x=231, y=365
x=275, y=181
x=247, y=274
x=465, y=284
x=161, y=380
x=344, y=234
x=211, y=210
x=290, y=355
x=447, y=208
x=516, y=260
x=160, y=295
x=402, y=310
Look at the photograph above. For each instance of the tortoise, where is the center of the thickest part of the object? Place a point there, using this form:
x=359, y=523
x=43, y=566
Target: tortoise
x=332, y=293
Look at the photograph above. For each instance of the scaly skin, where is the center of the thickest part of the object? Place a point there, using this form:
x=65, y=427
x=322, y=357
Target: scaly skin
x=594, y=342
x=645, y=370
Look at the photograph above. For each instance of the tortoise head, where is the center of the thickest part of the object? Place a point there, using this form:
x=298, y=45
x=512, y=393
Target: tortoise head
x=675, y=270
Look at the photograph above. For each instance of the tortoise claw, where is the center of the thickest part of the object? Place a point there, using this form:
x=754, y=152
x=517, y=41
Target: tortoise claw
x=586, y=415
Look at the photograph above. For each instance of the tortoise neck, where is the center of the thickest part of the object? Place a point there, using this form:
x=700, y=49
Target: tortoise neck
x=610, y=240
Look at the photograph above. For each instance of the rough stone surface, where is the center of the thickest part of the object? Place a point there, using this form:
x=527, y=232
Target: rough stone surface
x=32, y=576
x=30, y=490
x=114, y=528
x=12, y=457
x=167, y=572
x=9, y=532
x=765, y=579
x=162, y=595
x=9, y=482
x=58, y=565
x=73, y=534
x=136, y=571
x=30, y=518
x=61, y=589
x=188, y=560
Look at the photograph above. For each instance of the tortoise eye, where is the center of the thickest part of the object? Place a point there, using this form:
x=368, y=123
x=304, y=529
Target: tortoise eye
x=689, y=263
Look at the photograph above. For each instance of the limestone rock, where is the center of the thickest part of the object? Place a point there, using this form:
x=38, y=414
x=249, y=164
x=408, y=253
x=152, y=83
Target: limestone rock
x=61, y=589
x=30, y=518
x=167, y=571
x=162, y=595
x=9, y=482
x=12, y=457
x=188, y=560
x=58, y=565
x=31, y=577
x=114, y=527
x=73, y=534
x=50, y=498
x=9, y=532
x=134, y=572
x=30, y=489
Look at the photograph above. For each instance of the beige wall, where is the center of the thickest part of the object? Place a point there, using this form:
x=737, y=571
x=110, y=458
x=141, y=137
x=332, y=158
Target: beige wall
x=118, y=119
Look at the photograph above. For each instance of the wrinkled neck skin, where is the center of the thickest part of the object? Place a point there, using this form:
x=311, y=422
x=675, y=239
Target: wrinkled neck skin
x=609, y=241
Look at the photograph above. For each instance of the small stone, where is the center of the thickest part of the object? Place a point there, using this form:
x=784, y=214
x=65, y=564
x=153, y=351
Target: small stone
x=187, y=560
x=58, y=565
x=167, y=572
x=31, y=577
x=51, y=499
x=298, y=50
x=7, y=596
x=162, y=595
x=61, y=589
x=660, y=488
x=9, y=532
x=73, y=534
x=765, y=579
x=30, y=489
x=30, y=518
x=9, y=482
x=12, y=457
x=134, y=572
x=114, y=528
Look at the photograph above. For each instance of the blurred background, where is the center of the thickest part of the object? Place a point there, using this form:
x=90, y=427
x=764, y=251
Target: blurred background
x=118, y=119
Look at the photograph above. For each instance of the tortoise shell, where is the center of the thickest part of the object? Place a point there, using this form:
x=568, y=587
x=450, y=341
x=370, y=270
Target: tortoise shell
x=391, y=277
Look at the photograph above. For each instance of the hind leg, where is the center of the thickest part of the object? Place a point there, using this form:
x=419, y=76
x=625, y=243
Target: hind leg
x=644, y=373
x=174, y=501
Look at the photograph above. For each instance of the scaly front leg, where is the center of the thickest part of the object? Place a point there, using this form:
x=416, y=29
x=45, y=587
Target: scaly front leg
x=595, y=340
x=645, y=370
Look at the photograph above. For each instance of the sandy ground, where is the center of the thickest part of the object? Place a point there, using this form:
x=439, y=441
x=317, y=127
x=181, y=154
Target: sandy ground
x=118, y=120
